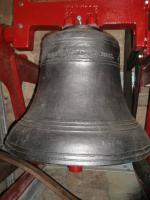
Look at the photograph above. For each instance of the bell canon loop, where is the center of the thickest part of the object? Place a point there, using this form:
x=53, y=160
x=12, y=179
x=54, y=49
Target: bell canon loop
x=78, y=115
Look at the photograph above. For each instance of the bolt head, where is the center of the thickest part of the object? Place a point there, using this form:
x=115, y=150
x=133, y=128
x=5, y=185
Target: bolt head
x=79, y=18
x=21, y=3
x=20, y=26
x=140, y=55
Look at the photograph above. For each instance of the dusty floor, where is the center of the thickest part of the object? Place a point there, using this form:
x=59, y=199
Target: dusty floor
x=91, y=185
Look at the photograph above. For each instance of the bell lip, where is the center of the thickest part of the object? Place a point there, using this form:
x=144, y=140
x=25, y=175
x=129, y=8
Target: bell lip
x=62, y=159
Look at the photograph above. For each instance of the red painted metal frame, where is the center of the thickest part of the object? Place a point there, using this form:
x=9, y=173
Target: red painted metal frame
x=13, y=71
x=18, y=188
x=115, y=14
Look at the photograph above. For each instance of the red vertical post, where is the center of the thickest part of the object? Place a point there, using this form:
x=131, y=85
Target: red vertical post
x=15, y=90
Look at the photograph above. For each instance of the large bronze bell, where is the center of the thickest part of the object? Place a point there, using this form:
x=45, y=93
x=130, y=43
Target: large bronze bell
x=78, y=115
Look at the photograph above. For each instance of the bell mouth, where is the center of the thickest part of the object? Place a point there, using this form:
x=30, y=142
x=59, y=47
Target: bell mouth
x=79, y=160
x=88, y=144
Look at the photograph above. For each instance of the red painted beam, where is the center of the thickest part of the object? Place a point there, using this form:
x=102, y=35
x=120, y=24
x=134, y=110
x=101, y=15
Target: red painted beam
x=114, y=14
x=18, y=188
x=27, y=71
x=13, y=71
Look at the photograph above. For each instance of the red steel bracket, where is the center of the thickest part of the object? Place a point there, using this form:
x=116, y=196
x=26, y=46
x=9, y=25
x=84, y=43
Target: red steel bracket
x=30, y=16
x=13, y=71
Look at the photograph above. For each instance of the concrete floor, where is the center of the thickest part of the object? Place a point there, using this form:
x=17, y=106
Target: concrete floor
x=91, y=185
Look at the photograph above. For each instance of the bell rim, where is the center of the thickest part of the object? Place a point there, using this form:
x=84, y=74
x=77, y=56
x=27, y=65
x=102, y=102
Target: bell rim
x=78, y=159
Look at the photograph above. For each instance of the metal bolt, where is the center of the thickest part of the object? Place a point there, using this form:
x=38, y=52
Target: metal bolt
x=21, y=3
x=140, y=55
x=146, y=2
x=79, y=18
x=145, y=39
x=20, y=26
